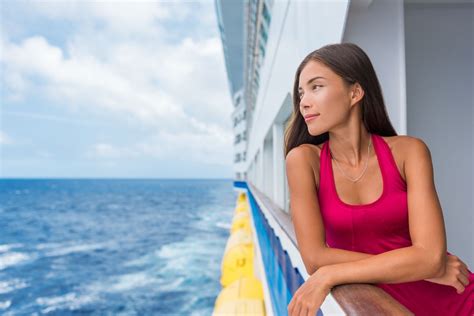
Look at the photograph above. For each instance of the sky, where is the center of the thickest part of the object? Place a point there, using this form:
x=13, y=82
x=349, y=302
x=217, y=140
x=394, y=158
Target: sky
x=113, y=89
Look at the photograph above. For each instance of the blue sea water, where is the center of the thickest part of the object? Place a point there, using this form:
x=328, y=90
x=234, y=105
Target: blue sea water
x=112, y=247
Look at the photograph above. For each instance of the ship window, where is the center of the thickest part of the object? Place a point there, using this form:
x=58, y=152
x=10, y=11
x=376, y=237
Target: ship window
x=266, y=14
x=237, y=158
x=262, y=50
x=263, y=32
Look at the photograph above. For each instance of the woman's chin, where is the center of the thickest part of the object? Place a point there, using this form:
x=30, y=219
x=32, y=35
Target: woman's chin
x=314, y=132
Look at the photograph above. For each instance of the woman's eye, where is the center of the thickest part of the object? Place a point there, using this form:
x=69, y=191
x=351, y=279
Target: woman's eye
x=314, y=87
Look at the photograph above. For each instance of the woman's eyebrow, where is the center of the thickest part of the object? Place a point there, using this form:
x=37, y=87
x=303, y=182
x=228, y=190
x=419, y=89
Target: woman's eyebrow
x=312, y=79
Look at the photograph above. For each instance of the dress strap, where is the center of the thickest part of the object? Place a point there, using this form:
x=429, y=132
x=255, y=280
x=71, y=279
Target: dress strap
x=324, y=174
x=387, y=163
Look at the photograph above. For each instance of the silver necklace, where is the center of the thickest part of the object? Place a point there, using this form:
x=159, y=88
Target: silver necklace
x=366, y=163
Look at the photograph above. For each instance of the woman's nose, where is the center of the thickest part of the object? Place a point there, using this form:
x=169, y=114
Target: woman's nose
x=304, y=102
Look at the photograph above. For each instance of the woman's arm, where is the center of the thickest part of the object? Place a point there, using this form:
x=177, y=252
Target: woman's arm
x=301, y=170
x=331, y=256
x=396, y=266
x=426, y=257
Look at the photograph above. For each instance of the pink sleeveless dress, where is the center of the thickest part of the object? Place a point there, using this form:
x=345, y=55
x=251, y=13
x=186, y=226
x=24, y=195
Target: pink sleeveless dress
x=382, y=226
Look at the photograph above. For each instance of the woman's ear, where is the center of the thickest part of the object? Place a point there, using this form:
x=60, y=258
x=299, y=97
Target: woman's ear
x=357, y=93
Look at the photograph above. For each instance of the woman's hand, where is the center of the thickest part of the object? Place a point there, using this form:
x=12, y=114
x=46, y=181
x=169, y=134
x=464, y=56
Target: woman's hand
x=456, y=274
x=309, y=297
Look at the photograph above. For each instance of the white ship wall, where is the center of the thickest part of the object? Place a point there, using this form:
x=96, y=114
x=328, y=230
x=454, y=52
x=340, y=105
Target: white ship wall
x=297, y=28
x=377, y=27
x=440, y=101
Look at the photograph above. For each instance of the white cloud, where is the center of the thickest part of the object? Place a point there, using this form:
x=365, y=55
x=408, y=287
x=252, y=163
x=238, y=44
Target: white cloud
x=151, y=80
x=108, y=151
x=44, y=154
x=17, y=86
x=53, y=118
x=120, y=60
x=119, y=15
x=87, y=82
x=5, y=139
x=209, y=146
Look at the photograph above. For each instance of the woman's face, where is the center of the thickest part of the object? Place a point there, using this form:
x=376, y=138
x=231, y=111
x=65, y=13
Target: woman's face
x=324, y=93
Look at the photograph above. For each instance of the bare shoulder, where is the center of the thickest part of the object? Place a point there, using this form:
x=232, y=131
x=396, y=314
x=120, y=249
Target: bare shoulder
x=304, y=152
x=406, y=145
x=406, y=148
x=306, y=156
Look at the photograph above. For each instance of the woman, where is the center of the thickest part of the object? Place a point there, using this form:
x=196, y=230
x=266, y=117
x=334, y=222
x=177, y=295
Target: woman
x=363, y=200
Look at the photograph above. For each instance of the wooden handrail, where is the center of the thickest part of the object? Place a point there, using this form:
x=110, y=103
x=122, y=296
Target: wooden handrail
x=354, y=299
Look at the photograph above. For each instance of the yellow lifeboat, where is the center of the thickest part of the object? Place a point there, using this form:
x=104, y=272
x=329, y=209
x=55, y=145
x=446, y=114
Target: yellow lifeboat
x=241, y=220
x=242, y=207
x=237, y=263
x=242, y=292
x=239, y=237
x=243, y=297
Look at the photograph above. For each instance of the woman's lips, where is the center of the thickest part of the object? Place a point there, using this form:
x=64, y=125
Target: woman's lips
x=311, y=117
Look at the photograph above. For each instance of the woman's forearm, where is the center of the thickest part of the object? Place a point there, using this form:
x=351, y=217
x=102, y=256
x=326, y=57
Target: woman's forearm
x=395, y=266
x=336, y=255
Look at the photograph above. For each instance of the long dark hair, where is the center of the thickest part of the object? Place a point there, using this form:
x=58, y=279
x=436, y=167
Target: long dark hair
x=351, y=63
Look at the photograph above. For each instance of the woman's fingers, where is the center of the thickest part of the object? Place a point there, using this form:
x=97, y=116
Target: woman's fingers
x=452, y=259
x=297, y=309
x=303, y=311
x=459, y=287
x=291, y=306
x=463, y=279
x=464, y=275
x=465, y=268
x=463, y=264
x=465, y=272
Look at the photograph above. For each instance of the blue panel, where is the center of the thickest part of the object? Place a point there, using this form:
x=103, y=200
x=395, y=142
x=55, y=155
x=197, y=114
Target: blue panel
x=283, y=279
x=240, y=184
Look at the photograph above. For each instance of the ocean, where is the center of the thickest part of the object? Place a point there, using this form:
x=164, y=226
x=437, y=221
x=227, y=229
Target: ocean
x=112, y=247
